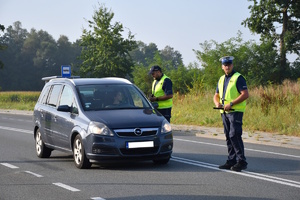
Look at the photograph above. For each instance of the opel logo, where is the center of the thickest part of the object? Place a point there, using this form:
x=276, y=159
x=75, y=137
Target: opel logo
x=137, y=131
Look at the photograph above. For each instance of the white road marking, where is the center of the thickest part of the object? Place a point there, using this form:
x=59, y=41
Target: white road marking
x=34, y=174
x=243, y=173
x=16, y=129
x=97, y=198
x=274, y=153
x=9, y=165
x=13, y=119
x=197, y=142
x=220, y=145
x=67, y=187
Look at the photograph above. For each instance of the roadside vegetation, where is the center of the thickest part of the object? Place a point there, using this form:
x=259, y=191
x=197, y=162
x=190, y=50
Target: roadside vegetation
x=273, y=108
x=18, y=100
x=107, y=50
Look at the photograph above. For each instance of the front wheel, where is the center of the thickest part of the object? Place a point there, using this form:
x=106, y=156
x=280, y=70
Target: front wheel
x=80, y=159
x=41, y=150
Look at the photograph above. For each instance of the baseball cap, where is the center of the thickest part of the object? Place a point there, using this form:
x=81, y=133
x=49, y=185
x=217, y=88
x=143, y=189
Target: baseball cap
x=154, y=68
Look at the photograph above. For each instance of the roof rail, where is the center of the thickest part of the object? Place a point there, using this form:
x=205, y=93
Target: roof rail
x=47, y=79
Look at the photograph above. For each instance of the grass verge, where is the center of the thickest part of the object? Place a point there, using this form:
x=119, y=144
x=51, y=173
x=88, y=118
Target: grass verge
x=274, y=109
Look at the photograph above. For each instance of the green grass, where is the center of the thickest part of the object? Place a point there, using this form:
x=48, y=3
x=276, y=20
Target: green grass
x=18, y=100
x=274, y=109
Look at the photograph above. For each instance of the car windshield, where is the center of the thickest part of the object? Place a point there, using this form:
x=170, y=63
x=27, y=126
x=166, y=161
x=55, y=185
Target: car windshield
x=104, y=97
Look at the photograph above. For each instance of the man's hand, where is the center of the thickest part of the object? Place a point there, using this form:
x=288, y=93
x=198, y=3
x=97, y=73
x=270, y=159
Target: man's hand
x=216, y=100
x=227, y=107
x=152, y=99
x=218, y=105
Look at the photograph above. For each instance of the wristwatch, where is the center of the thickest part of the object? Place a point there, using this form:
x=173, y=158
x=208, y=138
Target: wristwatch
x=231, y=104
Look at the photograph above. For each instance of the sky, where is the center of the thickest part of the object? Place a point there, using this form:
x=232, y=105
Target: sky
x=180, y=24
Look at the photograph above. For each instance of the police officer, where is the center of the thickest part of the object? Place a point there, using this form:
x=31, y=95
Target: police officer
x=162, y=92
x=230, y=95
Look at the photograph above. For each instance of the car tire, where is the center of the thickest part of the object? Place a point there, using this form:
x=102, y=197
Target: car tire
x=80, y=159
x=41, y=150
x=161, y=161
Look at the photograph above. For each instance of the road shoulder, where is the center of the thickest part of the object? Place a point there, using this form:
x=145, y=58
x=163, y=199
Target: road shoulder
x=256, y=137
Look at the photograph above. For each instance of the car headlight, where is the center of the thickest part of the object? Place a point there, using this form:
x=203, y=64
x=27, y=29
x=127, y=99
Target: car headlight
x=99, y=128
x=165, y=127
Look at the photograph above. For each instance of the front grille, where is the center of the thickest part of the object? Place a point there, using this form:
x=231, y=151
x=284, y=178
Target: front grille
x=134, y=133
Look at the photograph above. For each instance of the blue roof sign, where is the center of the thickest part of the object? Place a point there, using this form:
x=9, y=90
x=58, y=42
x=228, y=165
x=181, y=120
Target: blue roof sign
x=66, y=71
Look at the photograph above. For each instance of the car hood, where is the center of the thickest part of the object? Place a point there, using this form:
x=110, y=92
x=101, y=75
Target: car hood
x=127, y=118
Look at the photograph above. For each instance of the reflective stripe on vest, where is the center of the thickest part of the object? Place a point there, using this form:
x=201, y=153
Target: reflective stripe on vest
x=231, y=92
x=158, y=92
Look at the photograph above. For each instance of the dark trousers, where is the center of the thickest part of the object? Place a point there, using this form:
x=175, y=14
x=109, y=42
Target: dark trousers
x=166, y=112
x=233, y=131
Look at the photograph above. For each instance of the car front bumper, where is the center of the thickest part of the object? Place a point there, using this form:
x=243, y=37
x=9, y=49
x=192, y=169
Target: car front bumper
x=104, y=148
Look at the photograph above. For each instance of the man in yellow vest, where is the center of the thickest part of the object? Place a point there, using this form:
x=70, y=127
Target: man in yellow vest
x=162, y=92
x=231, y=95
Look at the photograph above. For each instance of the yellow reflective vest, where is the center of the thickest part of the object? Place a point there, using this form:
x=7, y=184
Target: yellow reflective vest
x=158, y=92
x=231, y=93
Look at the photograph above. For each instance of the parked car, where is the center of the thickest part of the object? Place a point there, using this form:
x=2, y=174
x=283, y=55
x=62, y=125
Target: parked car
x=82, y=116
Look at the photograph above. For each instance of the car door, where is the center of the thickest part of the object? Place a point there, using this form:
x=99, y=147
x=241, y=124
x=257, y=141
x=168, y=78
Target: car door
x=41, y=112
x=50, y=112
x=64, y=121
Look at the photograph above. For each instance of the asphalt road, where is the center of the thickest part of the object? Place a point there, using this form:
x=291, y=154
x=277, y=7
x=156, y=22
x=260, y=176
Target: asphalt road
x=192, y=173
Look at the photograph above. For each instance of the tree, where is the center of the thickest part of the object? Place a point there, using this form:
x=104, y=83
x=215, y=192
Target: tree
x=41, y=50
x=76, y=52
x=140, y=73
x=142, y=79
x=182, y=78
x=13, y=39
x=67, y=53
x=2, y=47
x=144, y=54
x=105, y=52
x=255, y=62
x=267, y=16
x=173, y=59
x=2, y=28
x=31, y=56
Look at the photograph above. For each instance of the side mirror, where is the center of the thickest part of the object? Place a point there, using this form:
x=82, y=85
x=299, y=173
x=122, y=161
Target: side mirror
x=64, y=108
x=155, y=105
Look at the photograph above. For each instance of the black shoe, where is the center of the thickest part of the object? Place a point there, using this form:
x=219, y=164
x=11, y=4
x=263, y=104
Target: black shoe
x=239, y=166
x=227, y=165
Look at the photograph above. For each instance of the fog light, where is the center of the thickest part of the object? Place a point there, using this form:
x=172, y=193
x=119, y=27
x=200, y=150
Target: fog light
x=95, y=150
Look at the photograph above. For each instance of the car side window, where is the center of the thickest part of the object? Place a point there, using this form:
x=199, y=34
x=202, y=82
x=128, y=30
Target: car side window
x=54, y=95
x=44, y=95
x=66, y=96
